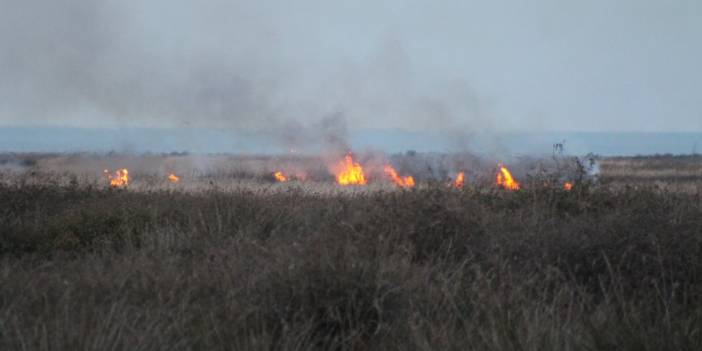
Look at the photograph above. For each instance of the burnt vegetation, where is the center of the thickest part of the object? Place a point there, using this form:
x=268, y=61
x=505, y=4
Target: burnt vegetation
x=429, y=268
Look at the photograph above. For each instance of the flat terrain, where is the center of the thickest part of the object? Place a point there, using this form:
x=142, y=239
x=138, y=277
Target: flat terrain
x=229, y=259
x=671, y=172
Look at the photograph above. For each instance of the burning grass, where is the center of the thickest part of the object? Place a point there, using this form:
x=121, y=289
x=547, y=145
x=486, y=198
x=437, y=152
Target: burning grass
x=403, y=182
x=279, y=176
x=460, y=180
x=506, y=180
x=232, y=257
x=349, y=172
x=120, y=178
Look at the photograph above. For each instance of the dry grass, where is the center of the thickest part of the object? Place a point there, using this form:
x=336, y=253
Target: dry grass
x=672, y=173
x=282, y=267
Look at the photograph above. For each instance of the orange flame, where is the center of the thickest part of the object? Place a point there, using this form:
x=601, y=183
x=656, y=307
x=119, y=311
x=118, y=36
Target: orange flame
x=173, y=178
x=568, y=186
x=460, y=180
x=119, y=179
x=279, y=176
x=505, y=179
x=350, y=172
x=407, y=181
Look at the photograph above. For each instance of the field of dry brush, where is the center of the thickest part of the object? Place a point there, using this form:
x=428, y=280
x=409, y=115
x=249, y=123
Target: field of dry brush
x=614, y=263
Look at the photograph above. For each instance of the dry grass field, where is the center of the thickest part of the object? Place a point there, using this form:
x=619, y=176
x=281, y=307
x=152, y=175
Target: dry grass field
x=681, y=173
x=228, y=259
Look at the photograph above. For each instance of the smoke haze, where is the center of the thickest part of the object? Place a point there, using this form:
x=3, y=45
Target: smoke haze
x=458, y=67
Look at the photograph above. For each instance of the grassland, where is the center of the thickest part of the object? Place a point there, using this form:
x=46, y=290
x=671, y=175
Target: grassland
x=602, y=267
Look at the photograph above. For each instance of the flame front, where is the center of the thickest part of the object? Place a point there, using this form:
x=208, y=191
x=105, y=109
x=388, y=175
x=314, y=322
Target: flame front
x=460, y=180
x=568, y=186
x=350, y=172
x=119, y=179
x=279, y=176
x=173, y=178
x=402, y=182
x=505, y=179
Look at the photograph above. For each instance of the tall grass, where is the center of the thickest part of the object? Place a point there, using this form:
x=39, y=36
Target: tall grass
x=427, y=269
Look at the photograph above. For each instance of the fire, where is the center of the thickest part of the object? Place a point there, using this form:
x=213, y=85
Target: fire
x=460, y=180
x=279, y=176
x=407, y=181
x=568, y=185
x=173, y=178
x=505, y=179
x=350, y=172
x=119, y=179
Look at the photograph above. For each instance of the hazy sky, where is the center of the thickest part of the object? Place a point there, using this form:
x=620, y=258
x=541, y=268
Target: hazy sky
x=626, y=65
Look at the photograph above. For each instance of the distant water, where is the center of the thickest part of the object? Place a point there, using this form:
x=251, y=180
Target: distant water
x=137, y=140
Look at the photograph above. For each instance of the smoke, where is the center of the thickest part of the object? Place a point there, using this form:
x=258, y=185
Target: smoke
x=334, y=133
x=231, y=65
x=97, y=62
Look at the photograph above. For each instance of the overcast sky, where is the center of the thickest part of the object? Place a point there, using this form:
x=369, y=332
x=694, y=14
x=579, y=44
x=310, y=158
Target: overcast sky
x=599, y=65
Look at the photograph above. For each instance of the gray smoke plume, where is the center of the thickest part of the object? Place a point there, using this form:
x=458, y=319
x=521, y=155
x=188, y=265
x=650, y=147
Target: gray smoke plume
x=456, y=67
x=76, y=61
x=233, y=65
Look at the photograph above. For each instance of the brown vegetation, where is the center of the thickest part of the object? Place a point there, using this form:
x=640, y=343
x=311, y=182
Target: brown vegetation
x=653, y=169
x=87, y=267
x=425, y=269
